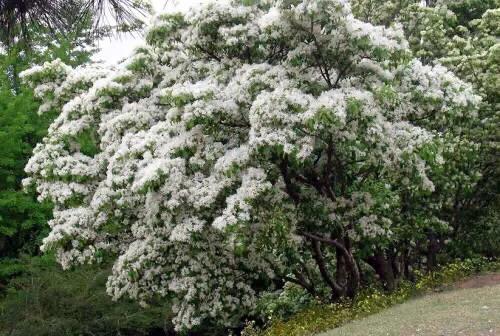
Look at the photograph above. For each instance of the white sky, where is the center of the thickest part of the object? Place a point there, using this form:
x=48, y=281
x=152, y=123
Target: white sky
x=117, y=48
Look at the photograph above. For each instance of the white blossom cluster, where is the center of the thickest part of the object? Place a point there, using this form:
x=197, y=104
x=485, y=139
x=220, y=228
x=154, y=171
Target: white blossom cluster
x=172, y=162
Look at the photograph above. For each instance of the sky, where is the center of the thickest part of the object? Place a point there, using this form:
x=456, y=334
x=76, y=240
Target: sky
x=117, y=48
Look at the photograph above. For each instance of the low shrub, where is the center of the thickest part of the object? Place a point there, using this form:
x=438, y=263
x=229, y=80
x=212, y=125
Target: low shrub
x=44, y=300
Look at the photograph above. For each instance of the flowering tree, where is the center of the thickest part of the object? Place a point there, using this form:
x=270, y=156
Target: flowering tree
x=239, y=145
x=463, y=36
x=381, y=12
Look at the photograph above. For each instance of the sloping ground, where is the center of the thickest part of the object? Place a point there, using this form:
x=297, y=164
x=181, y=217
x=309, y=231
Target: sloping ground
x=467, y=310
x=479, y=281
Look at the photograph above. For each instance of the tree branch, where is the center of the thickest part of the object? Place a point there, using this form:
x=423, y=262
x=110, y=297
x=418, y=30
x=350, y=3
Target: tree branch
x=329, y=241
x=318, y=257
x=290, y=188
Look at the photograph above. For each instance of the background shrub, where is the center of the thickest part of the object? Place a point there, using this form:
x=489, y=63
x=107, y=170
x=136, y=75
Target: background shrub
x=46, y=301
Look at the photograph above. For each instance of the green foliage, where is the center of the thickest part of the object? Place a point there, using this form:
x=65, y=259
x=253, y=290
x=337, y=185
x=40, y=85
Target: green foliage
x=45, y=300
x=9, y=268
x=468, y=10
x=22, y=219
x=456, y=271
x=379, y=11
x=284, y=303
x=317, y=317
x=462, y=35
x=38, y=298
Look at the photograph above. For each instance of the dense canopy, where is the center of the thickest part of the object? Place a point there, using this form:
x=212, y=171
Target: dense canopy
x=244, y=144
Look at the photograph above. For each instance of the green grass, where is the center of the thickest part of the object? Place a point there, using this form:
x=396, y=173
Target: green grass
x=468, y=312
x=317, y=317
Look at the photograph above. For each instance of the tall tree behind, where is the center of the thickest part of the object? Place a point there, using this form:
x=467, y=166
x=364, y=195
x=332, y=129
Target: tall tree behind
x=18, y=17
x=22, y=219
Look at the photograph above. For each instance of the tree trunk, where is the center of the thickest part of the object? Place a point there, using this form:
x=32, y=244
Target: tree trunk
x=341, y=274
x=345, y=264
x=395, y=263
x=353, y=283
x=432, y=251
x=336, y=289
x=3, y=243
x=383, y=269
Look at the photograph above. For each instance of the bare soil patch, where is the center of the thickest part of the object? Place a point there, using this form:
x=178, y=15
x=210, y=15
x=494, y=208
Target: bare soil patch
x=479, y=281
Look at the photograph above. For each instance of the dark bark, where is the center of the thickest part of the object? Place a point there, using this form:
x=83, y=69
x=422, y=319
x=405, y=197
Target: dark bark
x=3, y=243
x=291, y=189
x=341, y=273
x=302, y=281
x=337, y=290
x=395, y=264
x=383, y=268
x=406, y=262
x=352, y=271
x=362, y=278
x=432, y=251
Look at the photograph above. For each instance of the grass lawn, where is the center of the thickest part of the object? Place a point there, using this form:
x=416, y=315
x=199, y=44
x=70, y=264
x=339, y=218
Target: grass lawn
x=468, y=312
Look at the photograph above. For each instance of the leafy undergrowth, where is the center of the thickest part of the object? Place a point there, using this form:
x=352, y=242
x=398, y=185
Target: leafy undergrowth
x=320, y=317
x=44, y=300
